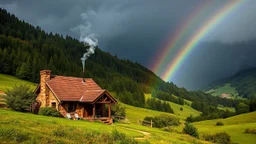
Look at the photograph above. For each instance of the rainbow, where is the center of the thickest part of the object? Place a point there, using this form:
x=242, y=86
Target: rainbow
x=179, y=59
x=176, y=38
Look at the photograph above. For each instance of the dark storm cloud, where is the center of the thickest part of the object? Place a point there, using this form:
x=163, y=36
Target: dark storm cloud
x=137, y=29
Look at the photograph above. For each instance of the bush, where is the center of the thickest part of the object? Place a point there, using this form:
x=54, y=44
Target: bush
x=219, y=123
x=163, y=121
x=190, y=130
x=48, y=111
x=250, y=131
x=181, y=108
x=19, y=98
x=218, y=138
x=118, y=110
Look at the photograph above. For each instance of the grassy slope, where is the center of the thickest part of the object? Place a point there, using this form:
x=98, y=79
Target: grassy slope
x=7, y=82
x=234, y=126
x=225, y=89
x=41, y=128
x=187, y=110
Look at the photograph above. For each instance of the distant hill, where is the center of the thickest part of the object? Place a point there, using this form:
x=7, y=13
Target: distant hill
x=241, y=84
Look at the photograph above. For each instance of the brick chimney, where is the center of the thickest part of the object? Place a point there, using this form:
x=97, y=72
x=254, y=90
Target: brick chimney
x=44, y=76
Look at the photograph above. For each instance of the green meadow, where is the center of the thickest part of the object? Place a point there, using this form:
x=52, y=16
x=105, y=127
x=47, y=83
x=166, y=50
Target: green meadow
x=187, y=110
x=17, y=127
x=235, y=126
x=7, y=82
x=225, y=89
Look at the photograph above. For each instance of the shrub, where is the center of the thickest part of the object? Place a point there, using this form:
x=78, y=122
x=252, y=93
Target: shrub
x=181, y=108
x=219, y=123
x=251, y=131
x=218, y=138
x=48, y=111
x=163, y=121
x=190, y=130
x=19, y=98
x=118, y=110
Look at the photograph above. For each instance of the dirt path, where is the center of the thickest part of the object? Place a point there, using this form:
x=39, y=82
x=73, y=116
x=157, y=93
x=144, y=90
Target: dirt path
x=146, y=134
x=1, y=92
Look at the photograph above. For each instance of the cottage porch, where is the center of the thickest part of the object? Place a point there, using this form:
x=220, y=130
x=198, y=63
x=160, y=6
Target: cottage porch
x=99, y=110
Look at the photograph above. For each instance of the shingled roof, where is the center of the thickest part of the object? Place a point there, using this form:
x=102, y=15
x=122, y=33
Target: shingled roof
x=74, y=89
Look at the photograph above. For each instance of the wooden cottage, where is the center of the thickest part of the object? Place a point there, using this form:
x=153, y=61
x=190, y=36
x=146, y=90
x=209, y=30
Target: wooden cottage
x=73, y=95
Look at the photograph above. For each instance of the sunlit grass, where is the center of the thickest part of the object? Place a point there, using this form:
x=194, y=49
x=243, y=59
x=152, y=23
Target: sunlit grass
x=234, y=126
x=7, y=82
x=44, y=128
x=187, y=110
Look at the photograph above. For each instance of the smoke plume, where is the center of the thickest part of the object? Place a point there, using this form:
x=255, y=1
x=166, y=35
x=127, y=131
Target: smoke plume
x=87, y=37
x=90, y=41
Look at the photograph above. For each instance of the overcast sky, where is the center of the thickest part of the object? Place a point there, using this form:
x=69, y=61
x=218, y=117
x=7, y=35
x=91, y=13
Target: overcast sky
x=137, y=30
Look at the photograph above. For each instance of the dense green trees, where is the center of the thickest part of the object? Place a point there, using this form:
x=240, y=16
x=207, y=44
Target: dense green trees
x=155, y=104
x=168, y=97
x=245, y=83
x=242, y=108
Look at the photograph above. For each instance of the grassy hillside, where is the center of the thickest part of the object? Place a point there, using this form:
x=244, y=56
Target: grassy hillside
x=187, y=110
x=29, y=128
x=241, y=84
x=224, y=89
x=235, y=126
x=7, y=82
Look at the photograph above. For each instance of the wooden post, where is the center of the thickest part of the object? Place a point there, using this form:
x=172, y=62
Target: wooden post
x=93, y=112
x=109, y=111
x=82, y=113
x=103, y=110
x=151, y=124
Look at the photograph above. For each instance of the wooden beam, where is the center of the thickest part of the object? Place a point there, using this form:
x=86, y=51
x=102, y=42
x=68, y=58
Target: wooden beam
x=93, y=111
x=102, y=110
x=109, y=110
x=104, y=102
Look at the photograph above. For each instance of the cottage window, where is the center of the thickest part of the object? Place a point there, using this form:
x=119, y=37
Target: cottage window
x=54, y=105
x=71, y=107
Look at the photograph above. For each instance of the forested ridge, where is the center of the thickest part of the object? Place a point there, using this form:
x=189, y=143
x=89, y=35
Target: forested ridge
x=25, y=50
x=244, y=82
